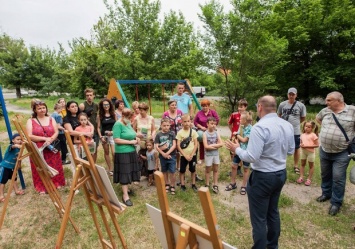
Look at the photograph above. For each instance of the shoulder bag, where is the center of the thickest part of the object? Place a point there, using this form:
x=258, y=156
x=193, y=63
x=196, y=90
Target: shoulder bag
x=351, y=144
x=186, y=141
x=290, y=111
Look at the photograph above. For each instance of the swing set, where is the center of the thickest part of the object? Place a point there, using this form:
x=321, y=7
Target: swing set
x=115, y=90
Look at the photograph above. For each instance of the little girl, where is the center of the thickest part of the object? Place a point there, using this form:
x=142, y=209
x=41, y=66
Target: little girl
x=84, y=127
x=152, y=160
x=309, y=141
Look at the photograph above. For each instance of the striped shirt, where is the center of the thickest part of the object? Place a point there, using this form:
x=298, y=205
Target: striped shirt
x=332, y=139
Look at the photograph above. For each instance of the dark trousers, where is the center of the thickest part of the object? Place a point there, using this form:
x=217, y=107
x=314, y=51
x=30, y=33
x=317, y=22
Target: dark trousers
x=264, y=191
x=63, y=146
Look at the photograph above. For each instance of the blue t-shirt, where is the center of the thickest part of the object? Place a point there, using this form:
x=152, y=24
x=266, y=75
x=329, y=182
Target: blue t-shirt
x=58, y=119
x=246, y=133
x=10, y=157
x=183, y=102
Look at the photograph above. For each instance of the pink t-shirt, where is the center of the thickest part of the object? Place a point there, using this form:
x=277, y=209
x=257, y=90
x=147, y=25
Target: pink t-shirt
x=85, y=129
x=309, y=139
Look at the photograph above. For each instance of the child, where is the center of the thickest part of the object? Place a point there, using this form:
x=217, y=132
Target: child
x=243, y=137
x=152, y=160
x=188, y=154
x=7, y=165
x=84, y=127
x=309, y=141
x=234, y=122
x=61, y=136
x=212, y=142
x=165, y=144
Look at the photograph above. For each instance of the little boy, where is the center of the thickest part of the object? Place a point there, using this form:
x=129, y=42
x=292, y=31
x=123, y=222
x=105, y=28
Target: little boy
x=243, y=137
x=188, y=153
x=165, y=144
x=234, y=122
x=7, y=165
x=212, y=142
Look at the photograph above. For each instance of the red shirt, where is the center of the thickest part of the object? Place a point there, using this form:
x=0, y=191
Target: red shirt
x=234, y=120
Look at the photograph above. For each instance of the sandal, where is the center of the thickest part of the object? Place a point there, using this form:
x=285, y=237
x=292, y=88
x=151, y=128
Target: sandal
x=172, y=190
x=243, y=190
x=167, y=188
x=308, y=182
x=296, y=170
x=300, y=180
x=231, y=187
x=20, y=192
x=215, y=189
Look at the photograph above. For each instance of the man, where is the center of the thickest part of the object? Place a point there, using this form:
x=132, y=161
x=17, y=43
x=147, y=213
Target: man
x=270, y=141
x=184, y=102
x=294, y=112
x=333, y=152
x=91, y=109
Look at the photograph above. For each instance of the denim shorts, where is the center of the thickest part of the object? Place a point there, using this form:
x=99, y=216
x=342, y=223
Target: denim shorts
x=297, y=141
x=168, y=165
x=236, y=161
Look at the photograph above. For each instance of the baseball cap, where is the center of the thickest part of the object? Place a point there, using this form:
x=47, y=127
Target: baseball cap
x=292, y=90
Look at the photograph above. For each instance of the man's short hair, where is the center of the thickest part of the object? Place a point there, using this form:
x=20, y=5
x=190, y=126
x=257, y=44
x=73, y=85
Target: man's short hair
x=89, y=90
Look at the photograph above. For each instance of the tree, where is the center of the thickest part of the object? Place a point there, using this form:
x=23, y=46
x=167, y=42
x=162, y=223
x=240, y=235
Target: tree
x=240, y=47
x=321, y=46
x=13, y=56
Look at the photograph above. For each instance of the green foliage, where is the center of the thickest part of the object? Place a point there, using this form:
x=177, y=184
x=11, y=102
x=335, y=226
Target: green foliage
x=240, y=47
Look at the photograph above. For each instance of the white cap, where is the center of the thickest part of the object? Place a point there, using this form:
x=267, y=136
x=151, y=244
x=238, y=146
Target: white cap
x=292, y=90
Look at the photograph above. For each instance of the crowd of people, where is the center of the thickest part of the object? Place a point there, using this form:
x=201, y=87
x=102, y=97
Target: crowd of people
x=258, y=151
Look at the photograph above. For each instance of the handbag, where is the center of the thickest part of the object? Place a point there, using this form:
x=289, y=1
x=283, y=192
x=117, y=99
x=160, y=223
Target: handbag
x=351, y=144
x=55, y=144
x=186, y=141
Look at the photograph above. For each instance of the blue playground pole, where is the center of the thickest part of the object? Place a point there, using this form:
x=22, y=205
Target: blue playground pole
x=8, y=126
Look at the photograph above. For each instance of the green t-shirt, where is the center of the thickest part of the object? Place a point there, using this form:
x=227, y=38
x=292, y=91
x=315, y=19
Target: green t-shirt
x=124, y=132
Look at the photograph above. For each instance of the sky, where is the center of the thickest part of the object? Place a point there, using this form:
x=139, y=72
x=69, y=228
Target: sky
x=46, y=22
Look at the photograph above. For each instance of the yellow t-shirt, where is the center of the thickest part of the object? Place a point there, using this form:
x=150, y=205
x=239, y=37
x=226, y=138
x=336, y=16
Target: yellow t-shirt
x=182, y=134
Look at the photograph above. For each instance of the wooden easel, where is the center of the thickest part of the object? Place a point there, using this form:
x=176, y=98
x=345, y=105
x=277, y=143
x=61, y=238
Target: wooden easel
x=188, y=230
x=42, y=171
x=87, y=177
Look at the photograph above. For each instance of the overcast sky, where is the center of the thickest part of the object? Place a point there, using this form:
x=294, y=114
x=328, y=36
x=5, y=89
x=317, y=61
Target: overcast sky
x=47, y=22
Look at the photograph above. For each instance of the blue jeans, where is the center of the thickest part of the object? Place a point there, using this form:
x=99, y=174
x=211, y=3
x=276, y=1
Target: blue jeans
x=333, y=171
x=264, y=191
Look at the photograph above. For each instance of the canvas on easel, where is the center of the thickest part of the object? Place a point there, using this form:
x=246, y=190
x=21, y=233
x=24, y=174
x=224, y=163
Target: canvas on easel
x=98, y=190
x=175, y=232
x=44, y=171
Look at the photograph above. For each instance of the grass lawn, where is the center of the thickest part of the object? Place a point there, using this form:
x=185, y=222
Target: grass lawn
x=31, y=220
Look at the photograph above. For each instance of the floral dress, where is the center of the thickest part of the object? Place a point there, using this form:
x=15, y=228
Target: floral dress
x=52, y=159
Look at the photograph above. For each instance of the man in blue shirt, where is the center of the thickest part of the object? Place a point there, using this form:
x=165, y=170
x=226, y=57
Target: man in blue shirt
x=270, y=141
x=184, y=102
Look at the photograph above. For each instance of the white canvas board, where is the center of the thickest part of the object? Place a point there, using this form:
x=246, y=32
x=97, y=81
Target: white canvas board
x=107, y=185
x=157, y=220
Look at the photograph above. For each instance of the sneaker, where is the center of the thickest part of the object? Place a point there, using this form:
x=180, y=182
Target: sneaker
x=198, y=178
x=215, y=189
x=194, y=188
x=183, y=188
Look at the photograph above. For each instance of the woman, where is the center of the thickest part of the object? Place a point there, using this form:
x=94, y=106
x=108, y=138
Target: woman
x=144, y=124
x=70, y=121
x=174, y=115
x=126, y=167
x=105, y=122
x=200, y=122
x=61, y=101
x=43, y=130
x=119, y=105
